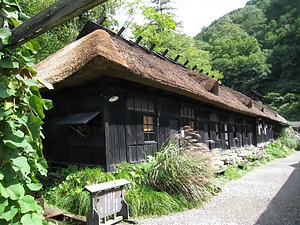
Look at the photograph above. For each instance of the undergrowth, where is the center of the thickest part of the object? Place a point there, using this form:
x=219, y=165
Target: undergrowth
x=283, y=146
x=172, y=181
x=169, y=182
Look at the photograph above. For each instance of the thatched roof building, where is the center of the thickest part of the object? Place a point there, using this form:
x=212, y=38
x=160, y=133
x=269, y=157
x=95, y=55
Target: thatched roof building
x=154, y=98
x=101, y=53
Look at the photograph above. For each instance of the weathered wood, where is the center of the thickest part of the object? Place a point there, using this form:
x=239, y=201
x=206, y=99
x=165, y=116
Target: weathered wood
x=75, y=217
x=52, y=16
x=106, y=185
x=51, y=212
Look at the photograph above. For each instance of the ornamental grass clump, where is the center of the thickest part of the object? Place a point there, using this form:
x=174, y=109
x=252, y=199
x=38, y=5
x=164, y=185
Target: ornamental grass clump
x=175, y=172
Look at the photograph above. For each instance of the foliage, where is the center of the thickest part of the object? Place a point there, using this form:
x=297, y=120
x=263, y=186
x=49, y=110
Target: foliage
x=66, y=33
x=287, y=105
x=283, y=146
x=163, y=6
x=195, y=183
x=21, y=113
x=159, y=28
x=70, y=194
x=236, y=54
x=274, y=65
x=174, y=171
x=234, y=172
x=145, y=201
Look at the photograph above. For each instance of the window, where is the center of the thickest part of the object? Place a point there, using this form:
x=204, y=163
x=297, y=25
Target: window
x=189, y=115
x=214, y=117
x=149, y=128
x=226, y=135
x=138, y=104
x=187, y=112
x=217, y=131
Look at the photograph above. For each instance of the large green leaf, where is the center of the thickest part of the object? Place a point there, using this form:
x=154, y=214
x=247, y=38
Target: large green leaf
x=10, y=2
x=4, y=33
x=48, y=104
x=34, y=187
x=34, y=124
x=3, y=91
x=42, y=166
x=37, y=104
x=3, y=204
x=32, y=219
x=28, y=204
x=21, y=163
x=30, y=82
x=46, y=84
x=3, y=191
x=9, y=63
x=8, y=105
x=14, y=189
x=9, y=213
x=7, y=170
x=15, y=142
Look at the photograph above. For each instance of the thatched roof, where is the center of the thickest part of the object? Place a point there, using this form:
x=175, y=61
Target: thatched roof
x=102, y=53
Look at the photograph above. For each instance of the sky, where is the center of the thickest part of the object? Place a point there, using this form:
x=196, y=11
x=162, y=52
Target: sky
x=196, y=14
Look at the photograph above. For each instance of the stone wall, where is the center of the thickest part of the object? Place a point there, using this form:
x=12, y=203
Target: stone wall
x=190, y=141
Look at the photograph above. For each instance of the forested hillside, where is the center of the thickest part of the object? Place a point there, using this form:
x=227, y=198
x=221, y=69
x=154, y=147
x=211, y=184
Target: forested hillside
x=258, y=47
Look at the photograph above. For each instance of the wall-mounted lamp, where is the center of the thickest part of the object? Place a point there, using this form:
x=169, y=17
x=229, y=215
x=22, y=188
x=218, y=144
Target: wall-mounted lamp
x=113, y=98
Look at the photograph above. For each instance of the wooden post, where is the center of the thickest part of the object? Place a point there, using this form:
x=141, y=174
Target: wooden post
x=52, y=16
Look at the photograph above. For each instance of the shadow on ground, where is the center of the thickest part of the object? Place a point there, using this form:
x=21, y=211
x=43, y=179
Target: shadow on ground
x=284, y=208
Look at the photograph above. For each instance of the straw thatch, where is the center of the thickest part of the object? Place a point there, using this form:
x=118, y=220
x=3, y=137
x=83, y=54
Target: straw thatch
x=101, y=53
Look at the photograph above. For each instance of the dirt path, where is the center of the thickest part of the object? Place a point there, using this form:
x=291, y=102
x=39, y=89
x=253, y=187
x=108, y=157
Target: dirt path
x=269, y=195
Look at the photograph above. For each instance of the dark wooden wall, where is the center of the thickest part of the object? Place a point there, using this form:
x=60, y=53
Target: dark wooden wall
x=62, y=145
x=121, y=137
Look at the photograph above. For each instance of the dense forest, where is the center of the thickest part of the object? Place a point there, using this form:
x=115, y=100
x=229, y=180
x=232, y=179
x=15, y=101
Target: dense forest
x=253, y=48
x=258, y=47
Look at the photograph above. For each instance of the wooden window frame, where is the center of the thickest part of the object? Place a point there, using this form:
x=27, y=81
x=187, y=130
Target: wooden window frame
x=149, y=128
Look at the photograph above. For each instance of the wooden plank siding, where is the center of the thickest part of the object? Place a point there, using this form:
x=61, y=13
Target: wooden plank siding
x=122, y=137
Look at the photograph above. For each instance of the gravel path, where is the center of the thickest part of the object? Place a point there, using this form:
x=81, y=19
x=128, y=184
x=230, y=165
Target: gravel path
x=269, y=195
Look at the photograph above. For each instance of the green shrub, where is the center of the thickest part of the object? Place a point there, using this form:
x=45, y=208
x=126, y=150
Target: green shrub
x=284, y=145
x=288, y=138
x=70, y=194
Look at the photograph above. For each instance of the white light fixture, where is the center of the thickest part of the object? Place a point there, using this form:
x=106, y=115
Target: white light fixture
x=113, y=98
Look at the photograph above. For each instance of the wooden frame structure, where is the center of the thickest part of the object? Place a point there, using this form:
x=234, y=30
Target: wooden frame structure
x=127, y=101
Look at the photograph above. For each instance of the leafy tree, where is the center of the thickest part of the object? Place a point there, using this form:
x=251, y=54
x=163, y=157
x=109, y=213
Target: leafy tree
x=275, y=27
x=160, y=29
x=236, y=54
x=251, y=19
x=21, y=113
x=66, y=33
x=163, y=6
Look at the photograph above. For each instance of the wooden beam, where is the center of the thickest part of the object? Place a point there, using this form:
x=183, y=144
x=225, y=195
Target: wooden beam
x=52, y=16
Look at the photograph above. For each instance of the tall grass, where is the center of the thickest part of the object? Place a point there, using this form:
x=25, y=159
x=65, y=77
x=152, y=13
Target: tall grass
x=173, y=171
x=145, y=201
